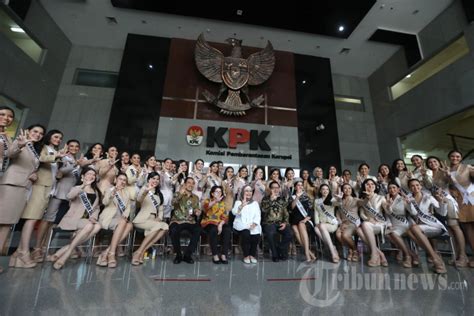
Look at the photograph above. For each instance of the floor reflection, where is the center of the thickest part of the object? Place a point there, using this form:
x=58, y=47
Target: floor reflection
x=290, y=287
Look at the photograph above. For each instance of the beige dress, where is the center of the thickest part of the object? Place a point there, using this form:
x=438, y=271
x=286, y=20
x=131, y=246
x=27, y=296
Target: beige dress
x=464, y=192
x=150, y=219
x=43, y=187
x=14, y=183
x=111, y=214
x=75, y=217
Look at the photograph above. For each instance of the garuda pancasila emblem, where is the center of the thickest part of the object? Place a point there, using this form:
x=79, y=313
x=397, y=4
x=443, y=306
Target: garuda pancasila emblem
x=234, y=73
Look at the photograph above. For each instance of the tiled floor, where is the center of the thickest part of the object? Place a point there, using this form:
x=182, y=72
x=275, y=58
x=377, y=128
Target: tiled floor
x=267, y=288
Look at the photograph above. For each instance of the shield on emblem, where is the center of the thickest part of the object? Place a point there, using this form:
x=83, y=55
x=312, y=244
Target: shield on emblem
x=235, y=72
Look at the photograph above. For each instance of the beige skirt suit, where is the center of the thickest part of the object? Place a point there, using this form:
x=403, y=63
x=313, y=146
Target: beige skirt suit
x=15, y=182
x=107, y=175
x=42, y=188
x=110, y=216
x=77, y=217
x=149, y=218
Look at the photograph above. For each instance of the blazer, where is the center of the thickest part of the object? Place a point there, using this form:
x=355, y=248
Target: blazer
x=69, y=180
x=4, y=140
x=23, y=164
x=147, y=207
x=45, y=174
x=111, y=206
x=107, y=175
x=77, y=209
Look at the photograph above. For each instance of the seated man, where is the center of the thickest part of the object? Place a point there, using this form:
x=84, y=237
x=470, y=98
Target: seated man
x=184, y=217
x=275, y=219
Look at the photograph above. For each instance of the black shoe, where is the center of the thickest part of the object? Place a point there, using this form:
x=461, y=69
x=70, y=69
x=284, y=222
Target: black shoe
x=275, y=259
x=188, y=259
x=216, y=261
x=283, y=258
x=224, y=261
x=177, y=259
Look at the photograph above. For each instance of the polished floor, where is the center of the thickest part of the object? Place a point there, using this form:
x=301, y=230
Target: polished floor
x=160, y=287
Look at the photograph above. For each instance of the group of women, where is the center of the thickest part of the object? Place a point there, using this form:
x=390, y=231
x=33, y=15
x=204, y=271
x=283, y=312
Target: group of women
x=43, y=182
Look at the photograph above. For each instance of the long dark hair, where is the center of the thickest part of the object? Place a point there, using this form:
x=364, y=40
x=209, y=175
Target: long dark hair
x=309, y=177
x=395, y=171
x=352, y=189
x=93, y=184
x=49, y=134
x=244, y=167
x=38, y=145
x=390, y=175
x=255, y=173
x=327, y=200
x=432, y=157
x=4, y=107
x=212, y=164
x=89, y=154
x=157, y=189
x=362, y=195
x=225, y=173
x=182, y=177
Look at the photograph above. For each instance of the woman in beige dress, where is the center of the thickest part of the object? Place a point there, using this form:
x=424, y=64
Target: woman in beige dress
x=115, y=216
x=14, y=185
x=108, y=170
x=41, y=190
x=81, y=216
x=7, y=115
x=150, y=217
x=461, y=176
x=325, y=219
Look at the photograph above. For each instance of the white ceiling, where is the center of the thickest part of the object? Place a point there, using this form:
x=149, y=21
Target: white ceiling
x=84, y=23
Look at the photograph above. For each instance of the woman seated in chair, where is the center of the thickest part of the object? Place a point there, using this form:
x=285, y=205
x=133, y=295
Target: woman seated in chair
x=247, y=223
x=372, y=212
x=115, y=216
x=423, y=206
x=81, y=216
x=348, y=214
x=150, y=217
x=399, y=225
x=325, y=219
x=215, y=221
x=301, y=214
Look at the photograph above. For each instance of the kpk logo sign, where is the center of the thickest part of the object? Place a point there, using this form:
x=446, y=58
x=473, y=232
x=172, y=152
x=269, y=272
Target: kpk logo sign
x=255, y=138
x=195, y=135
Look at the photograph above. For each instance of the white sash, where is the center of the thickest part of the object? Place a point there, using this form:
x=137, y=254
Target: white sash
x=33, y=150
x=350, y=217
x=302, y=210
x=154, y=201
x=121, y=204
x=86, y=203
x=54, y=169
x=331, y=217
x=466, y=193
x=374, y=213
x=427, y=219
x=5, y=159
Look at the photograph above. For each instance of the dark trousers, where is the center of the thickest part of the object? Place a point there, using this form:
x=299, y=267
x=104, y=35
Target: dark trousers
x=211, y=231
x=175, y=231
x=248, y=242
x=278, y=248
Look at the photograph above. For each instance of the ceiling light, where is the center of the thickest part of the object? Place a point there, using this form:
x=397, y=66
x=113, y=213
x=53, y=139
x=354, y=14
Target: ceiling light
x=341, y=28
x=150, y=66
x=304, y=81
x=408, y=76
x=17, y=29
x=240, y=12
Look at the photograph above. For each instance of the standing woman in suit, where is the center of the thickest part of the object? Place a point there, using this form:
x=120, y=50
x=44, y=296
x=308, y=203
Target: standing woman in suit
x=150, y=217
x=6, y=119
x=67, y=176
x=115, y=216
x=107, y=169
x=197, y=175
x=94, y=154
x=258, y=184
x=41, y=189
x=14, y=185
x=81, y=216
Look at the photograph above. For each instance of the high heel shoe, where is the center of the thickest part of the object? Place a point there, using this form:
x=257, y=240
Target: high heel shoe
x=439, y=266
x=136, y=258
x=383, y=260
x=462, y=262
x=58, y=265
x=102, y=260
x=51, y=258
x=13, y=258
x=111, y=261
x=407, y=262
x=37, y=255
x=374, y=261
x=335, y=259
x=355, y=256
x=415, y=261
x=23, y=260
x=349, y=256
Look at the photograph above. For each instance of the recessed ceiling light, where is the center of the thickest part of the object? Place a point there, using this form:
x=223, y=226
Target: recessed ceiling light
x=150, y=66
x=240, y=12
x=408, y=76
x=17, y=29
x=341, y=28
x=303, y=82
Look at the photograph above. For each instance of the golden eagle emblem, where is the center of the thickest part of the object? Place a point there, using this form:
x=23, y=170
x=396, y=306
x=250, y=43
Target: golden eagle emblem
x=234, y=73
